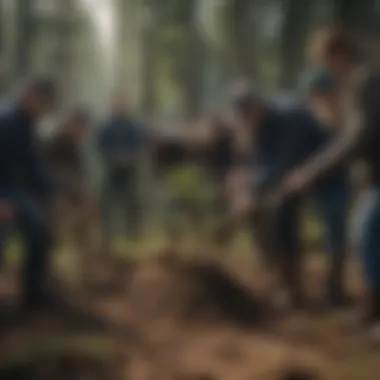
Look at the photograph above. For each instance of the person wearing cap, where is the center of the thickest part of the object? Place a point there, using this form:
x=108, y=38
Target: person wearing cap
x=344, y=57
x=25, y=186
x=332, y=191
x=280, y=138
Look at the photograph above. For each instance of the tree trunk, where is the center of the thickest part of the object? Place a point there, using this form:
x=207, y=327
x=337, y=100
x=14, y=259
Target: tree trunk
x=124, y=26
x=2, y=50
x=190, y=59
x=25, y=36
x=293, y=40
x=193, y=68
x=361, y=17
x=63, y=65
x=149, y=64
x=240, y=37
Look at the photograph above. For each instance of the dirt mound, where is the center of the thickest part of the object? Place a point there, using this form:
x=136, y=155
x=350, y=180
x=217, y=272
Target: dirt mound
x=169, y=319
x=194, y=291
x=224, y=295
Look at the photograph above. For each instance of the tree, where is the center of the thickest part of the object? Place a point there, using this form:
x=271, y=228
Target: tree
x=238, y=30
x=2, y=49
x=25, y=35
x=149, y=58
x=63, y=65
x=293, y=39
x=180, y=53
x=361, y=17
x=191, y=61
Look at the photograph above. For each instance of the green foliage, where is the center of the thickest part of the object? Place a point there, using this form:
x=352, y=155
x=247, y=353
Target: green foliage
x=188, y=181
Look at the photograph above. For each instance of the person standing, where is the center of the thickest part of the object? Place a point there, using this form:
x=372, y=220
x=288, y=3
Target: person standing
x=26, y=189
x=121, y=143
x=280, y=139
x=343, y=56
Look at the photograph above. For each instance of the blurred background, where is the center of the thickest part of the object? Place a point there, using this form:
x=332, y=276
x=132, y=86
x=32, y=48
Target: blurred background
x=173, y=61
x=172, y=57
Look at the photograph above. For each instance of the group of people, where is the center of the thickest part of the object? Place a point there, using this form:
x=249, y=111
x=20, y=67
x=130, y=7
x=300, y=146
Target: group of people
x=45, y=188
x=308, y=149
x=266, y=160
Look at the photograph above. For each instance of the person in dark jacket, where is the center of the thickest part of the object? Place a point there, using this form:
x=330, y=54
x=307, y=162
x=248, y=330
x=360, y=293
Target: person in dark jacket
x=25, y=187
x=280, y=139
x=121, y=142
x=342, y=55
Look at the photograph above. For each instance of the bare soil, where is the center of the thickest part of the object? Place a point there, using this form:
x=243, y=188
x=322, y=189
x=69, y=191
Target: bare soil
x=182, y=320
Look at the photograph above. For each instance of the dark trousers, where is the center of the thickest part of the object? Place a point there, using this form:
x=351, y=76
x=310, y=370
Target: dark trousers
x=121, y=198
x=31, y=221
x=367, y=230
x=333, y=205
x=4, y=233
x=287, y=243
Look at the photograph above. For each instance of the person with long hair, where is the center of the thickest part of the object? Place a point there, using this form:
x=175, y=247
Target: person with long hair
x=342, y=55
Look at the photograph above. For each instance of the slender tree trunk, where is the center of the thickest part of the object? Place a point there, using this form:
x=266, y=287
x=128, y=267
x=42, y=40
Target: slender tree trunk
x=2, y=31
x=25, y=37
x=240, y=37
x=149, y=64
x=293, y=40
x=2, y=50
x=359, y=16
x=190, y=59
x=64, y=65
x=193, y=66
x=123, y=27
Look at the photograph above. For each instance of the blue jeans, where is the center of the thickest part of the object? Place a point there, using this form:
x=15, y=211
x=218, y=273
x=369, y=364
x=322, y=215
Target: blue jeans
x=31, y=221
x=121, y=197
x=4, y=232
x=367, y=233
x=333, y=206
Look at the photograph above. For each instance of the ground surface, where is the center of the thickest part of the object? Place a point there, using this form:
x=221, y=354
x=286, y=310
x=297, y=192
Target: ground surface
x=168, y=320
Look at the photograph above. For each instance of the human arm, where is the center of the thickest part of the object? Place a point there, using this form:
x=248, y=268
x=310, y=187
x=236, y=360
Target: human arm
x=362, y=113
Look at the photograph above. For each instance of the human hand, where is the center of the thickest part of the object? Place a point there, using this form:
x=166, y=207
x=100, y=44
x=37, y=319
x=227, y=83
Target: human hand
x=295, y=182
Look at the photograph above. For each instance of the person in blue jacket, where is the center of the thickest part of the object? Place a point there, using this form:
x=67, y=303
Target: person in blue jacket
x=121, y=142
x=281, y=137
x=25, y=187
